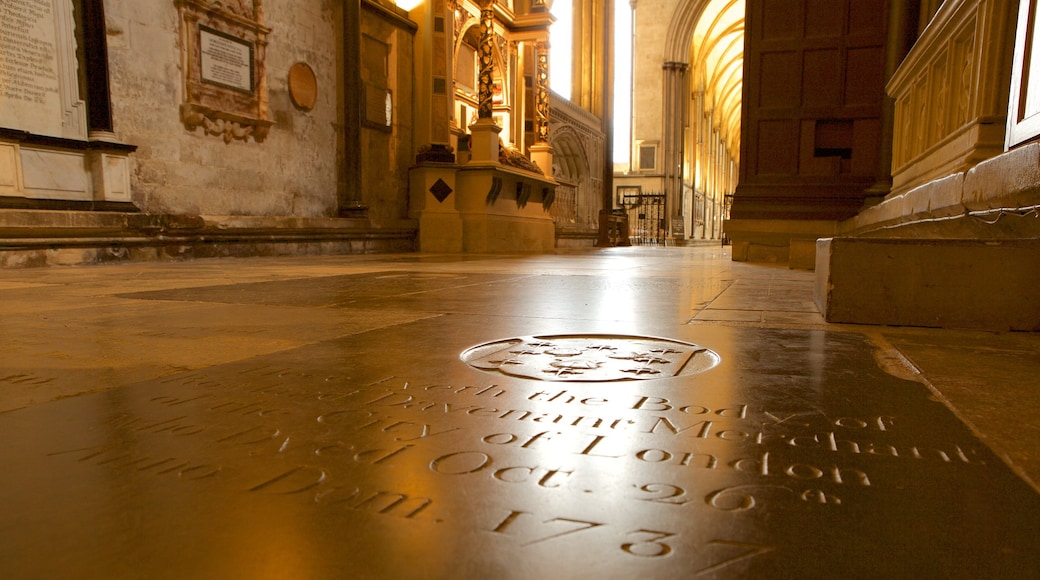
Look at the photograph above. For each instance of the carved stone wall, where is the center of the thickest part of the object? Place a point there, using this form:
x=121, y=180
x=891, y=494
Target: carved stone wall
x=579, y=153
x=951, y=92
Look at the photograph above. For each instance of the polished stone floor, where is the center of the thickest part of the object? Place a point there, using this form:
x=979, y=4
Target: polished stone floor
x=614, y=413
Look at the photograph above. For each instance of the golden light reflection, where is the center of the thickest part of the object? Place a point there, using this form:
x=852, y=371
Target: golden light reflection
x=408, y=5
x=617, y=298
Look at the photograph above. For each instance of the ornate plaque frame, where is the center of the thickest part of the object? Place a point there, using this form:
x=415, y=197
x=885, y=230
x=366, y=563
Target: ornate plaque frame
x=224, y=110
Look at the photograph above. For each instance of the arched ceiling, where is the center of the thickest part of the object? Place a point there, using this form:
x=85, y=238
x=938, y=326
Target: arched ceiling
x=717, y=61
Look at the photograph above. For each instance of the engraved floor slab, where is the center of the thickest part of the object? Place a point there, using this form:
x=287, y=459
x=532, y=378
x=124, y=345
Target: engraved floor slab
x=384, y=454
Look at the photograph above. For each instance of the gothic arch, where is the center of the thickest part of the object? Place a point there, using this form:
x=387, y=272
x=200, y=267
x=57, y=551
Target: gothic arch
x=576, y=198
x=570, y=160
x=680, y=33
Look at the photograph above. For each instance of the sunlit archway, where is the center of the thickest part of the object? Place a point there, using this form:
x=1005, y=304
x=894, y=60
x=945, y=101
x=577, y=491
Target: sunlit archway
x=687, y=78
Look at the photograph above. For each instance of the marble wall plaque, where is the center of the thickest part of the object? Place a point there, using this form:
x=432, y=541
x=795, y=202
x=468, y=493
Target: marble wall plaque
x=226, y=61
x=38, y=83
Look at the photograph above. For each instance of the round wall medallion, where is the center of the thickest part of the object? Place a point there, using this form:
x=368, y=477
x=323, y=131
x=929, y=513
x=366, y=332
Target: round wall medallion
x=591, y=358
x=303, y=86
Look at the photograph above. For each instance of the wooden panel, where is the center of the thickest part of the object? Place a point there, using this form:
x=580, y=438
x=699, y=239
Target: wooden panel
x=780, y=19
x=810, y=84
x=824, y=18
x=780, y=84
x=777, y=152
x=818, y=86
x=864, y=79
x=867, y=18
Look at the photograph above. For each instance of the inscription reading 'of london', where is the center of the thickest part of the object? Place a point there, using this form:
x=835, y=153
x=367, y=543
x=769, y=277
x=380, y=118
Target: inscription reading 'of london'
x=226, y=61
x=28, y=70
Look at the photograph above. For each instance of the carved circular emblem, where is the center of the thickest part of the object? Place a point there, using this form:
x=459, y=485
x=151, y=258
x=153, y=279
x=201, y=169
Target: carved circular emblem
x=592, y=358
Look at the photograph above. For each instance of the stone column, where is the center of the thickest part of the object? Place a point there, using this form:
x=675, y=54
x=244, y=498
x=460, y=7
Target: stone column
x=675, y=109
x=541, y=151
x=484, y=133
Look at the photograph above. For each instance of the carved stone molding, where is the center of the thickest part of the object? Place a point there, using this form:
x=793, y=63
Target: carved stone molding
x=224, y=46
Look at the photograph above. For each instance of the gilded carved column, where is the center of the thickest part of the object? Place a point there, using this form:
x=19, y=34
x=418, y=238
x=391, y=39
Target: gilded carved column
x=487, y=67
x=484, y=132
x=541, y=151
x=541, y=107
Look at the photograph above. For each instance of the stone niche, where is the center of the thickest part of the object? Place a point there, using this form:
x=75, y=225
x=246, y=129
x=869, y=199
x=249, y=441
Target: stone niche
x=46, y=150
x=224, y=47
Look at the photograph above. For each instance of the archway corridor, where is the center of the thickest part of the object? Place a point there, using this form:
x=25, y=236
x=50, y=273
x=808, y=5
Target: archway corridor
x=686, y=94
x=713, y=142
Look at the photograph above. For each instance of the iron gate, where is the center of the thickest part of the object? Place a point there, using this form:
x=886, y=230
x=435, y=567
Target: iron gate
x=646, y=218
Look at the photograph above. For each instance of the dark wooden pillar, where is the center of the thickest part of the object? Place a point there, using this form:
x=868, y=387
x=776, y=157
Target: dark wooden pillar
x=811, y=129
x=95, y=52
x=350, y=198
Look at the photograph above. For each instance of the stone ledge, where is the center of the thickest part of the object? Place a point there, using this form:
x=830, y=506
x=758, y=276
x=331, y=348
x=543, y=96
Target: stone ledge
x=987, y=285
x=38, y=238
x=945, y=208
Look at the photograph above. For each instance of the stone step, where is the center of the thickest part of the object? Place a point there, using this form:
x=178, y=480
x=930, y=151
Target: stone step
x=977, y=284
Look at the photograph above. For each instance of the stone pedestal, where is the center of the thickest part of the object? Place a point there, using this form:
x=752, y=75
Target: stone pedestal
x=542, y=156
x=433, y=191
x=777, y=240
x=503, y=210
x=483, y=142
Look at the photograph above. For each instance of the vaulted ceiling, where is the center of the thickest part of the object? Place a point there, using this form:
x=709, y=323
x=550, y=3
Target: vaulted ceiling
x=717, y=60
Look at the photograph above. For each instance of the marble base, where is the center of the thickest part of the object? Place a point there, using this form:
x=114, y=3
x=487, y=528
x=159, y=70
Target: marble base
x=83, y=173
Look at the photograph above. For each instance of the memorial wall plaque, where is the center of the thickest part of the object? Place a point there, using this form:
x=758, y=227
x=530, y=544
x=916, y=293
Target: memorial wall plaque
x=225, y=60
x=225, y=69
x=402, y=452
x=39, y=87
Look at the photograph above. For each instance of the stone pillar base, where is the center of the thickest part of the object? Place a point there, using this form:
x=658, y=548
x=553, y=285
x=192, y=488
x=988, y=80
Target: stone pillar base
x=434, y=194
x=483, y=143
x=542, y=156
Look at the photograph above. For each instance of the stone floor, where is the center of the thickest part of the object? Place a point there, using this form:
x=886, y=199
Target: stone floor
x=615, y=413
